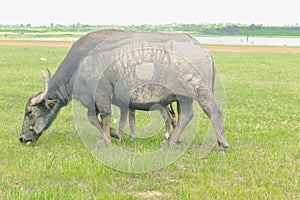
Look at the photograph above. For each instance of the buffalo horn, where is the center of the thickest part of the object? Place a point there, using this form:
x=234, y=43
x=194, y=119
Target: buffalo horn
x=39, y=98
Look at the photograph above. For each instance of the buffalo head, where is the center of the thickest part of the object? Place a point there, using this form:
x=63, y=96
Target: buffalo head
x=39, y=113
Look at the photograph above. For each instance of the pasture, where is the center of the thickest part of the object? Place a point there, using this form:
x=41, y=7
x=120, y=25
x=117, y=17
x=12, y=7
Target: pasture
x=262, y=126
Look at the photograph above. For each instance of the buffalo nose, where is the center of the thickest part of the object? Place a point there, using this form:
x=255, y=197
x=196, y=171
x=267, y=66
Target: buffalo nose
x=21, y=139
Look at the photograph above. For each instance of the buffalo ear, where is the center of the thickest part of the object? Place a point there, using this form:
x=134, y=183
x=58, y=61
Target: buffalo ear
x=51, y=103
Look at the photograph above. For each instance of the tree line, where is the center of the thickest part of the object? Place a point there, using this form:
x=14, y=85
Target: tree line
x=194, y=29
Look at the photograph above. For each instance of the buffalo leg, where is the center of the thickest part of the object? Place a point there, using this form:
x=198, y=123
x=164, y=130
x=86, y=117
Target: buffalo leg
x=122, y=122
x=105, y=120
x=131, y=116
x=213, y=111
x=172, y=118
x=185, y=114
x=103, y=103
x=173, y=121
x=93, y=119
x=168, y=117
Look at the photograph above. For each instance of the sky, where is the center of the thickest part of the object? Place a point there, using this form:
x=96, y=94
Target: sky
x=128, y=12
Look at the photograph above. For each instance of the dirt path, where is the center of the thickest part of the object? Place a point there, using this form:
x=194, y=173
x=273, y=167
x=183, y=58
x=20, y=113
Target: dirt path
x=225, y=48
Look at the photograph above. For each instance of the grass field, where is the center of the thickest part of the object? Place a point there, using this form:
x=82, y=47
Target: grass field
x=262, y=126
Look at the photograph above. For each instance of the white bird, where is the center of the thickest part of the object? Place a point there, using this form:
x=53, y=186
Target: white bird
x=43, y=59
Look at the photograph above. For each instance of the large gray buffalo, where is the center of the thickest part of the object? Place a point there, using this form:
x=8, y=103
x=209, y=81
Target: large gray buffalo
x=132, y=70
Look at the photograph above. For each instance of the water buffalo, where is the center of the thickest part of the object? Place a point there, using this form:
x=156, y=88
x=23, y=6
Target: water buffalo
x=130, y=70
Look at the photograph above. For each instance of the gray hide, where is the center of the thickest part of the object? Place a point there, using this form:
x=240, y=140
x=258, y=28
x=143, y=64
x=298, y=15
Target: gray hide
x=137, y=71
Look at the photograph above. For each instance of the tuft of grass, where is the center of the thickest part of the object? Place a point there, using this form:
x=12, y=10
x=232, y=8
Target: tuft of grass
x=262, y=126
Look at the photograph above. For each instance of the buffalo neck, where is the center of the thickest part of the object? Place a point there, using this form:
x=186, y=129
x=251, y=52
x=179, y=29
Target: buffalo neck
x=61, y=84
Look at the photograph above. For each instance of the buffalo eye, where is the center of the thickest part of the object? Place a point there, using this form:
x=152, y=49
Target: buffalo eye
x=29, y=112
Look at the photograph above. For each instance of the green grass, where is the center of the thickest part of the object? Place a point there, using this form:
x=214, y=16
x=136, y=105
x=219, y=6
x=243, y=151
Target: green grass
x=262, y=126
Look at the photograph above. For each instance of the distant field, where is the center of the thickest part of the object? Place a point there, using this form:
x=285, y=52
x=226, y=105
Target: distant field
x=262, y=126
x=29, y=36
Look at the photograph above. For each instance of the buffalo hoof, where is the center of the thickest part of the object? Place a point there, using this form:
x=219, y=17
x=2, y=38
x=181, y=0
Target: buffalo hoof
x=120, y=138
x=178, y=141
x=172, y=141
x=171, y=144
x=165, y=142
x=221, y=150
x=226, y=145
x=103, y=142
x=132, y=138
x=223, y=144
x=114, y=133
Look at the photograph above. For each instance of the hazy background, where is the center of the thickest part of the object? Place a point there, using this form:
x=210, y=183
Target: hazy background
x=126, y=12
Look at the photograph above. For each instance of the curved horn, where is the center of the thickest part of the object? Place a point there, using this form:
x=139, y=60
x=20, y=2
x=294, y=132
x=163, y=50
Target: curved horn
x=39, y=98
x=49, y=73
